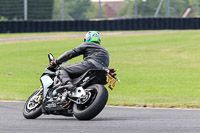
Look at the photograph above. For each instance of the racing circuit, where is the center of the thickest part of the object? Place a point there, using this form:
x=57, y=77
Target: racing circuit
x=153, y=44
x=110, y=120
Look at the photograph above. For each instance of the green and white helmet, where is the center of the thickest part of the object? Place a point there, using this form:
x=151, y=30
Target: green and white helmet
x=93, y=36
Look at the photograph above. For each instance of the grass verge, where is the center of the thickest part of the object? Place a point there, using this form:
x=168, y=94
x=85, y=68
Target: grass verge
x=156, y=70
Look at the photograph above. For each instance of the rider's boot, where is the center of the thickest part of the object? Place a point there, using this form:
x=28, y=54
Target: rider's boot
x=69, y=88
x=66, y=82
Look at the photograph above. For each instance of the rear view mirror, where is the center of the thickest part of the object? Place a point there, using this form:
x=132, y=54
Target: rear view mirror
x=51, y=58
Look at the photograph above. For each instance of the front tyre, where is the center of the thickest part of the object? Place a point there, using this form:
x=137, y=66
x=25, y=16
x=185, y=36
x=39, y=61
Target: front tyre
x=32, y=108
x=98, y=96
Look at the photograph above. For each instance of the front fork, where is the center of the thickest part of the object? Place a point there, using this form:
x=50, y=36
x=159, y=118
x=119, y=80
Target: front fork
x=40, y=97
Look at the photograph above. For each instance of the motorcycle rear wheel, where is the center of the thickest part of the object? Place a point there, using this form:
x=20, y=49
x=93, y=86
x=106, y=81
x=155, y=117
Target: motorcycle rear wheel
x=32, y=112
x=96, y=103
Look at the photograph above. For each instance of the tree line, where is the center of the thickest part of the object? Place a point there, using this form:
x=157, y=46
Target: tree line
x=147, y=8
x=85, y=9
x=48, y=9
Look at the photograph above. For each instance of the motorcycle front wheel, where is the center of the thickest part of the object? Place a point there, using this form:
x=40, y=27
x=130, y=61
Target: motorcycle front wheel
x=97, y=99
x=32, y=108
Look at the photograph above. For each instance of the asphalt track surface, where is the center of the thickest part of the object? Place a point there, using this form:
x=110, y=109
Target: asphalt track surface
x=110, y=120
x=41, y=37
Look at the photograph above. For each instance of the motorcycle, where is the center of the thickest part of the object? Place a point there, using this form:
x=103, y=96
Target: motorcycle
x=85, y=102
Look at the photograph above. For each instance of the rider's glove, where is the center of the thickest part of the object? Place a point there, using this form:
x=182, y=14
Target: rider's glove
x=53, y=64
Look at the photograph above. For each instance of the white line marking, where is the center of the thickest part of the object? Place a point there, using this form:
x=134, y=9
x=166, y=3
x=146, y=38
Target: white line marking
x=111, y=106
x=129, y=107
x=4, y=101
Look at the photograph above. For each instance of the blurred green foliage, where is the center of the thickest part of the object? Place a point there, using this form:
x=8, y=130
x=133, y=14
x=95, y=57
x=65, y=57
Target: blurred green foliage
x=75, y=10
x=147, y=8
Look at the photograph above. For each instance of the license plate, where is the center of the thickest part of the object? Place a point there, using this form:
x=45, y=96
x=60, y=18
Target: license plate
x=111, y=81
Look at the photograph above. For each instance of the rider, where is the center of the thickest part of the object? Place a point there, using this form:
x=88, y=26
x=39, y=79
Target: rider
x=94, y=57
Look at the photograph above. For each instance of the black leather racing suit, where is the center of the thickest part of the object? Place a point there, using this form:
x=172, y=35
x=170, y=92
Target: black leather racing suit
x=94, y=57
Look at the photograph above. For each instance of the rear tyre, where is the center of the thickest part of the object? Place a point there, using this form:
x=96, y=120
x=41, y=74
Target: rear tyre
x=98, y=96
x=32, y=108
